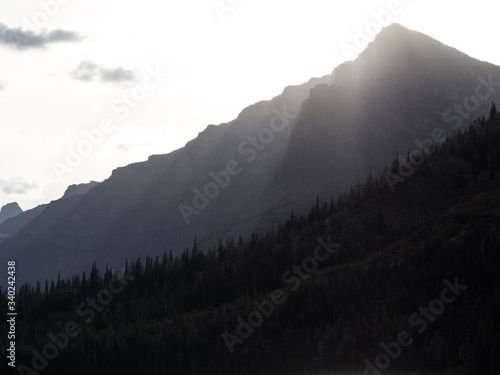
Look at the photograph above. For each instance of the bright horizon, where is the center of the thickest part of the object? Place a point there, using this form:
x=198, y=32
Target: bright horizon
x=132, y=81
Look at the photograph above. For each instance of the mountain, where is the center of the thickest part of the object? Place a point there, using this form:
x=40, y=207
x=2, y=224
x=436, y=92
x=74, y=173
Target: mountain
x=13, y=225
x=403, y=93
x=9, y=210
x=136, y=211
x=407, y=279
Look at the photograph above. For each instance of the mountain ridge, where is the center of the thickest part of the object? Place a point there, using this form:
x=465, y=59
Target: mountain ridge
x=338, y=129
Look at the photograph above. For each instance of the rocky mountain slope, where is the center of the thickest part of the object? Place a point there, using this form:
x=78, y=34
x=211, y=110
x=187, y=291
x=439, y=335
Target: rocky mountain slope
x=404, y=91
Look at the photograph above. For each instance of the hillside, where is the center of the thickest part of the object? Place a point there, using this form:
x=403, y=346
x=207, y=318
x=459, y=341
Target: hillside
x=392, y=255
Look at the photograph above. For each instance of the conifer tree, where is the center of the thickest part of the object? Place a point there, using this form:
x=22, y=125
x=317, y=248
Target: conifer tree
x=493, y=110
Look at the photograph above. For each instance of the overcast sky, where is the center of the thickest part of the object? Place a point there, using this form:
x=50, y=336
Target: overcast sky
x=88, y=86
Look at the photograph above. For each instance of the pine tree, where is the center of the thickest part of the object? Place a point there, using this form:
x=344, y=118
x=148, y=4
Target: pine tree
x=493, y=110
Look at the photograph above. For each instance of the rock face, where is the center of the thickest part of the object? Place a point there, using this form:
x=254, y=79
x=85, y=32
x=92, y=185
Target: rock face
x=9, y=210
x=318, y=138
x=79, y=189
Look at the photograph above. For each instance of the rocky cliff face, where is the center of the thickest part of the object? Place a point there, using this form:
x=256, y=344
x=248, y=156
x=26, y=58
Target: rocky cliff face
x=79, y=189
x=314, y=139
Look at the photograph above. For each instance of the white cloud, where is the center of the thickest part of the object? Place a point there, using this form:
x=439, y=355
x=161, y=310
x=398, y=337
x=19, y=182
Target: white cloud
x=88, y=71
x=17, y=38
x=17, y=186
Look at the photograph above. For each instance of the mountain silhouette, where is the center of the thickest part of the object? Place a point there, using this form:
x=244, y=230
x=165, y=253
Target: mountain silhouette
x=403, y=93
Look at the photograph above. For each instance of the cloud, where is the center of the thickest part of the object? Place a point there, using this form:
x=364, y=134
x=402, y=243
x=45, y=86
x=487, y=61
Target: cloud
x=17, y=186
x=88, y=71
x=116, y=75
x=21, y=39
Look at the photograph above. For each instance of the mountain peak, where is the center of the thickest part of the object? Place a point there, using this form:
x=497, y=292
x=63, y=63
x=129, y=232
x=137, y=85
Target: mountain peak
x=398, y=31
x=396, y=27
x=398, y=46
x=396, y=39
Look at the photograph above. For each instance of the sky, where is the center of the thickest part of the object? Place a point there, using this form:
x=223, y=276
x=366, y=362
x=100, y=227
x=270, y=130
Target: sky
x=89, y=86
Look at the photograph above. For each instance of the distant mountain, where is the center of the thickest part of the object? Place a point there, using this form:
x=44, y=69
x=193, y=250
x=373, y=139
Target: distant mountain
x=404, y=92
x=9, y=210
x=12, y=226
